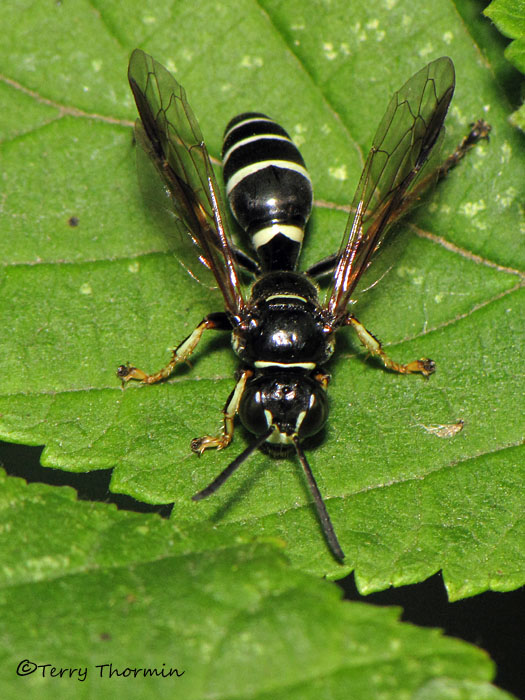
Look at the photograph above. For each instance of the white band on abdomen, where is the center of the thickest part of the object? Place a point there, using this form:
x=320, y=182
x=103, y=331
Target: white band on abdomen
x=265, y=235
x=261, y=165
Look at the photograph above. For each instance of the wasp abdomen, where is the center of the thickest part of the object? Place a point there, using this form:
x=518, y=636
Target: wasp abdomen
x=268, y=187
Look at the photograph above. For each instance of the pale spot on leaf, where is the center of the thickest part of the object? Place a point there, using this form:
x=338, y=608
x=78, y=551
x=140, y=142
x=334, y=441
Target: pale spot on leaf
x=471, y=209
x=251, y=62
x=506, y=198
x=426, y=50
x=338, y=172
x=329, y=52
x=506, y=152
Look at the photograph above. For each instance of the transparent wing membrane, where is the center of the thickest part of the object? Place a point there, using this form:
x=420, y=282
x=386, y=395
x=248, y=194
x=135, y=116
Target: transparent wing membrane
x=403, y=143
x=169, y=134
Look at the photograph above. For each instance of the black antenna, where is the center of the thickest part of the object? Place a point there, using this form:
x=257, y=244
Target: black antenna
x=326, y=523
x=219, y=481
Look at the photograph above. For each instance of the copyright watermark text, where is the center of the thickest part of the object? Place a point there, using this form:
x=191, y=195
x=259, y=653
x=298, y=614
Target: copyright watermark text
x=26, y=667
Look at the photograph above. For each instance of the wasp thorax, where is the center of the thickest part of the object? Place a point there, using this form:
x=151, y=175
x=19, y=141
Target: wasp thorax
x=279, y=284
x=288, y=327
x=294, y=403
x=289, y=335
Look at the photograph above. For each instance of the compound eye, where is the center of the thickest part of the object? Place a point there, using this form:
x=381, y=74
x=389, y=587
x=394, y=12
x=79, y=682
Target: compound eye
x=316, y=414
x=252, y=411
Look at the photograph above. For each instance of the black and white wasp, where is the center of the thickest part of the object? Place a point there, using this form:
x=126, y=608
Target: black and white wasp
x=281, y=332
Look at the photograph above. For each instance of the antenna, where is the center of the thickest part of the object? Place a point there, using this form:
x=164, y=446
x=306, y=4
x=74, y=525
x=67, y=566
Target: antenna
x=326, y=523
x=219, y=481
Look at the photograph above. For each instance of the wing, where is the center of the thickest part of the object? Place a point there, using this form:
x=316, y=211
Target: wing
x=170, y=135
x=402, y=145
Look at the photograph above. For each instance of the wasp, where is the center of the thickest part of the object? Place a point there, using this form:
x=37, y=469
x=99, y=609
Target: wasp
x=281, y=332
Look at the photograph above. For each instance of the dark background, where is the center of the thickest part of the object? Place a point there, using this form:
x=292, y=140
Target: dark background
x=493, y=621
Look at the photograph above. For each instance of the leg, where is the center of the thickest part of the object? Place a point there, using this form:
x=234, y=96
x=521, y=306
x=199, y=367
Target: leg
x=322, y=378
x=425, y=366
x=245, y=261
x=326, y=266
x=216, y=321
x=479, y=130
x=198, y=445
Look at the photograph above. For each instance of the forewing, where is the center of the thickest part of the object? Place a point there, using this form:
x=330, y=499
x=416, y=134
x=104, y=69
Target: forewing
x=402, y=146
x=170, y=135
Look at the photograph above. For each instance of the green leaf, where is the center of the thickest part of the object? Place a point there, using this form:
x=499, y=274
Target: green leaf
x=518, y=118
x=509, y=17
x=93, y=591
x=89, y=283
